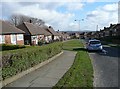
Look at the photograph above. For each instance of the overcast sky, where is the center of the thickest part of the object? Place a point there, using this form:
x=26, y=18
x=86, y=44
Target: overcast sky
x=61, y=14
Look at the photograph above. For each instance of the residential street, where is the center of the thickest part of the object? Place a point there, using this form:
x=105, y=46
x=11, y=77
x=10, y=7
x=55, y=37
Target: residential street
x=48, y=75
x=106, y=67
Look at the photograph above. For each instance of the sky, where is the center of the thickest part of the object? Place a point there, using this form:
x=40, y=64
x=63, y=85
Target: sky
x=61, y=14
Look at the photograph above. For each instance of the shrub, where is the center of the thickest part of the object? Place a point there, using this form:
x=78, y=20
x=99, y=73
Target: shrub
x=10, y=47
x=16, y=61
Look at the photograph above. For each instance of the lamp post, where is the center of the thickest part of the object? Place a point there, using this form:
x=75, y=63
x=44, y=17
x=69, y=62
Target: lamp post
x=79, y=22
x=96, y=28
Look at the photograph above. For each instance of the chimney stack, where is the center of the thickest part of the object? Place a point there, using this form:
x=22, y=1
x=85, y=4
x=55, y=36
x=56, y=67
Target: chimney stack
x=49, y=26
x=104, y=27
x=111, y=25
x=30, y=21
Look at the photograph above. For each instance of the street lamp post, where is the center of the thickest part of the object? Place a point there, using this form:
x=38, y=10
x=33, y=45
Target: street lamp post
x=79, y=22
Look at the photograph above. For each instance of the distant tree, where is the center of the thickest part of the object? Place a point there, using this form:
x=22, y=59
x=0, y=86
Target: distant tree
x=37, y=21
x=13, y=19
x=17, y=19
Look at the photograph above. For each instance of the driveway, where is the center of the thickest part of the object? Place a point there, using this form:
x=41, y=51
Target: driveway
x=106, y=67
x=48, y=75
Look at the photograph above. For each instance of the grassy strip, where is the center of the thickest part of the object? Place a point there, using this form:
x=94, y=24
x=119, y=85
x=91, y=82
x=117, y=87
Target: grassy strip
x=114, y=45
x=81, y=72
x=110, y=44
x=71, y=45
x=16, y=61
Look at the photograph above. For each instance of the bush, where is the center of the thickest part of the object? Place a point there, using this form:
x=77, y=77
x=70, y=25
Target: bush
x=16, y=61
x=111, y=39
x=10, y=47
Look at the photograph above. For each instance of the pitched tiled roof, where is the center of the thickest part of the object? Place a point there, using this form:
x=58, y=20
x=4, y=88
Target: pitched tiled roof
x=7, y=28
x=60, y=33
x=33, y=29
x=51, y=30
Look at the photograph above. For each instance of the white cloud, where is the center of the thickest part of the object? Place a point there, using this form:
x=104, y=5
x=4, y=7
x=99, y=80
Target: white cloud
x=50, y=16
x=110, y=7
x=102, y=16
x=74, y=6
x=91, y=1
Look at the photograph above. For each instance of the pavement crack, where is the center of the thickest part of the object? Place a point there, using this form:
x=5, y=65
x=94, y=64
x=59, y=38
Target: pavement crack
x=34, y=79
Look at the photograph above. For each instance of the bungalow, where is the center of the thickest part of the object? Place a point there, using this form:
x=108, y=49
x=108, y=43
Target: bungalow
x=34, y=33
x=61, y=35
x=82, y=35
x=55, y=35
x=66, y=36
x=10, y=34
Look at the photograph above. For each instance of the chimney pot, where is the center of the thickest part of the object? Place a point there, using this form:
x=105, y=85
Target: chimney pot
x=49, y=26
x=30, y=21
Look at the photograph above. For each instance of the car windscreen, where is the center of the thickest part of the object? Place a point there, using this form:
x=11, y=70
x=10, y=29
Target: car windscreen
x=94, y=42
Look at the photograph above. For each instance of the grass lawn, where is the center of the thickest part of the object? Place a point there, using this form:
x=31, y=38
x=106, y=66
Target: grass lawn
x=71, y=45
x=81, y=72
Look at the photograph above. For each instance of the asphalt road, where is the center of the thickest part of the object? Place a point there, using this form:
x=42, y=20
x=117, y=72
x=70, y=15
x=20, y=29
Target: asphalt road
x=105, y=67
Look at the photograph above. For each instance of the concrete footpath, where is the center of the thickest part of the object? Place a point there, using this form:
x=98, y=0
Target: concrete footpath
x=48, y=75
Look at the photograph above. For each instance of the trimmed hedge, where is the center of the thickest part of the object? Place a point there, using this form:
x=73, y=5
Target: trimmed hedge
x=4, y=47
x=16, y=61
x=111, y=39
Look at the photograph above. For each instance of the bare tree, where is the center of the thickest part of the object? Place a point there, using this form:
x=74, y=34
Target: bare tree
x=37, y=21
x=17, y=19
x=13, y=20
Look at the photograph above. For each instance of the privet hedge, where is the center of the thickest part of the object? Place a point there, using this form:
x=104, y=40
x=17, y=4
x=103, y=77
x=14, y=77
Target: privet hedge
x=10, y=47
x=16, y=61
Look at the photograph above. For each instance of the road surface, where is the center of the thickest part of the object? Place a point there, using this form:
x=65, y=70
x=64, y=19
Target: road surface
x=48, y=75
x=106, y=67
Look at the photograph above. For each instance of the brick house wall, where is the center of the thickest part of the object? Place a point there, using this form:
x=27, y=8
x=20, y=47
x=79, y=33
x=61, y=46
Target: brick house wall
x=7, y=39
x=20, y=39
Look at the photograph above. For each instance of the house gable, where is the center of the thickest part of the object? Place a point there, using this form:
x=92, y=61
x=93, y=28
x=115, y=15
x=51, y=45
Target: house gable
x=24, y=28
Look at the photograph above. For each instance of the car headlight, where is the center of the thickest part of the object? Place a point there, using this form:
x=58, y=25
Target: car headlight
x=100, y=47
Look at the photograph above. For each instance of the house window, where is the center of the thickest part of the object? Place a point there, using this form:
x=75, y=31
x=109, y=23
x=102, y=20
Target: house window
x=13, y=39
x=20, y=37
x=2, y=39
x=34, y=37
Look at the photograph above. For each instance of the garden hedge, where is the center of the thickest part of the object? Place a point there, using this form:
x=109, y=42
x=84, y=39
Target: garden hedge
x=4, y=47
x=16, y=61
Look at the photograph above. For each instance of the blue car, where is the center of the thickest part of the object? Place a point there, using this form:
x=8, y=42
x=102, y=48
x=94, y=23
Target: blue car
x=94, y=45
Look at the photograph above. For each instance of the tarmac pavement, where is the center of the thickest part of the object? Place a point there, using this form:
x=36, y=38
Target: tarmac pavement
x=48, y=75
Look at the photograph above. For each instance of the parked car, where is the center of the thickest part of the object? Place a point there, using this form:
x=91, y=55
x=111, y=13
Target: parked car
x=94, y=45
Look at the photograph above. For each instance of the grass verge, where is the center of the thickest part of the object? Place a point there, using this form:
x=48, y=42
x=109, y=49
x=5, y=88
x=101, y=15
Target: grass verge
x=71, y=45
x=81, y=72
x=16, y=61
